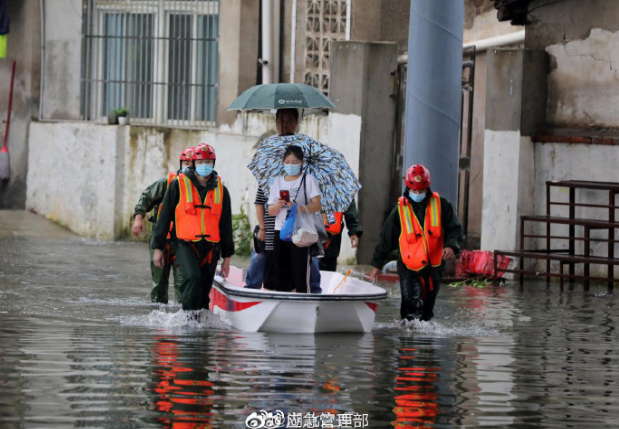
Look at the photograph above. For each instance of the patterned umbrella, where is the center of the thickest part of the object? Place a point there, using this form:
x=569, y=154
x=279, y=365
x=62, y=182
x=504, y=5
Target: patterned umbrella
x=338, y=183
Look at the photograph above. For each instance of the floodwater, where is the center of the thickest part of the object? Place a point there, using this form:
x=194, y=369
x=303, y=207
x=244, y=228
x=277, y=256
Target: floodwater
x=81, y=346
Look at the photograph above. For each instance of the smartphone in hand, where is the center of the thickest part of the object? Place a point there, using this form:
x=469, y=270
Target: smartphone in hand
x=284, y=195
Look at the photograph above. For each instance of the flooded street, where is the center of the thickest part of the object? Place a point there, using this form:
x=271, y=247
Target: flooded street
x=82, y=346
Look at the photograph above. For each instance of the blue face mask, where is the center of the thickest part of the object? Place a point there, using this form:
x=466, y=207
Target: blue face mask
x=292, y=169
x=204, y=169
x=184, y=170
x=417, y=197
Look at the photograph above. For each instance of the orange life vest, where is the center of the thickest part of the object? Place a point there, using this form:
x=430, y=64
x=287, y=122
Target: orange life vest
x=195, y=219
x=420, y=246
x=335, y=228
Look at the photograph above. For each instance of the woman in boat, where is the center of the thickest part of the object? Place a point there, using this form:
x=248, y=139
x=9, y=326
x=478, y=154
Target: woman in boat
x=289, y=270
x=286, y=121
x=199, y=205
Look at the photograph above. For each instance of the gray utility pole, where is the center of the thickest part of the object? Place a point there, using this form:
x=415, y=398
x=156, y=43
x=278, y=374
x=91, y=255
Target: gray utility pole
x=432, y=127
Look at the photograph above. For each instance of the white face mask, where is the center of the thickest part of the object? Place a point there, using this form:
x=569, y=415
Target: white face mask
x=204, y=169
x=417, y=197
x=292, y=169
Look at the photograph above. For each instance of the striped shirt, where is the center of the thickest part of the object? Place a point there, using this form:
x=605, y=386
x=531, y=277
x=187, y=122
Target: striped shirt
x=269, y=221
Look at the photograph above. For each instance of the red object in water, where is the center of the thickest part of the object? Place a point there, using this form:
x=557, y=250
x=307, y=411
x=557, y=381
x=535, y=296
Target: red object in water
x=480, y=263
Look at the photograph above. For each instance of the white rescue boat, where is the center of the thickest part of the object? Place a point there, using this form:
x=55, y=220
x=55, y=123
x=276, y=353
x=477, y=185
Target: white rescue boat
x=346, y=304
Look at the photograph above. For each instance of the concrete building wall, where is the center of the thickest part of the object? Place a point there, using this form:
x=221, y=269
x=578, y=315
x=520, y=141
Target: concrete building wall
x=581, y=39
x=75, y=176
x=394, y=22
x=508, y=187
x=508, y=155
x=577, y=102
x=238, y=52
x=62, y=60
x=362, y=85
x=476, y=175
x=23, y=48
x=480, y=22
x=381, y=21
x=366, y=20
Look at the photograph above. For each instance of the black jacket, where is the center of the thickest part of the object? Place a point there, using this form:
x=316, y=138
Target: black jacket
x=390, y=235
x=4, y=18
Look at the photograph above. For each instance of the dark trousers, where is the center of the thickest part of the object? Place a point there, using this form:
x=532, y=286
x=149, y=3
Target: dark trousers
x=332, y=251
x=289, y=269
x=197, y=263
x=160, y=276
x=419, y=290
x=268, y=263
x=328, y=263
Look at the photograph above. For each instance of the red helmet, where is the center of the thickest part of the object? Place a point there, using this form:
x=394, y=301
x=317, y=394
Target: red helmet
x=187, y=154
x=204, y=151
x=417, y=177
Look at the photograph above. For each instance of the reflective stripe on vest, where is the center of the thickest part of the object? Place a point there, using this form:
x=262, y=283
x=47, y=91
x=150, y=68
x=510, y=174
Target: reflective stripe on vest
x=418, y=246
x=171, y=177
x=335, y=228
x=196, y=220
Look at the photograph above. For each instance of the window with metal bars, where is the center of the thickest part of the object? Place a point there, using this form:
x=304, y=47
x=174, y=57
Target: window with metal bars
x=157, y=58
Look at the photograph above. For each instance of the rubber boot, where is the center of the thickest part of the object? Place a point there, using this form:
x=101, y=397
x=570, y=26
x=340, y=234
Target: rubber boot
x=160, y=279
x=431, y=294
x=411, y=307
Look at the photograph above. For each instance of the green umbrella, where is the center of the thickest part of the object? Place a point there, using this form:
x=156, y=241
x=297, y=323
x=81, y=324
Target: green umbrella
x=281, y=96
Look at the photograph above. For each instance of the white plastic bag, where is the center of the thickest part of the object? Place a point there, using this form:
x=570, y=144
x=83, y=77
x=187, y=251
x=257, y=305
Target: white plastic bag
x=304, y=232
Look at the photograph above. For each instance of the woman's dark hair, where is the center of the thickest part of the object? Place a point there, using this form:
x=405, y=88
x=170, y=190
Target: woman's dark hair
x=294, y=150
x=280, y=112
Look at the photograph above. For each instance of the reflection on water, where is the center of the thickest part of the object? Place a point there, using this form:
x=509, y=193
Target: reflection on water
x=81, y=346
x=416, y=386
x=183, y=394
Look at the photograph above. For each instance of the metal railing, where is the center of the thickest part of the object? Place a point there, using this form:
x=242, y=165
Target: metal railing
x=157, y=58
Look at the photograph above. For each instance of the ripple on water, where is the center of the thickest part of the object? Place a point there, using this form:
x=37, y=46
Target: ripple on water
x=162, y=318
x=113, y=302
x=436, y=329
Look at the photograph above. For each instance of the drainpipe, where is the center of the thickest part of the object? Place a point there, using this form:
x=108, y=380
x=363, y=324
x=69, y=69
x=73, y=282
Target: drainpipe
x=42, y=85
x=432, y=122
x=348, y=18
x=267, y=41
x=276, y=41
x=495, y=42
x=293, y=38
x=484, y=44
